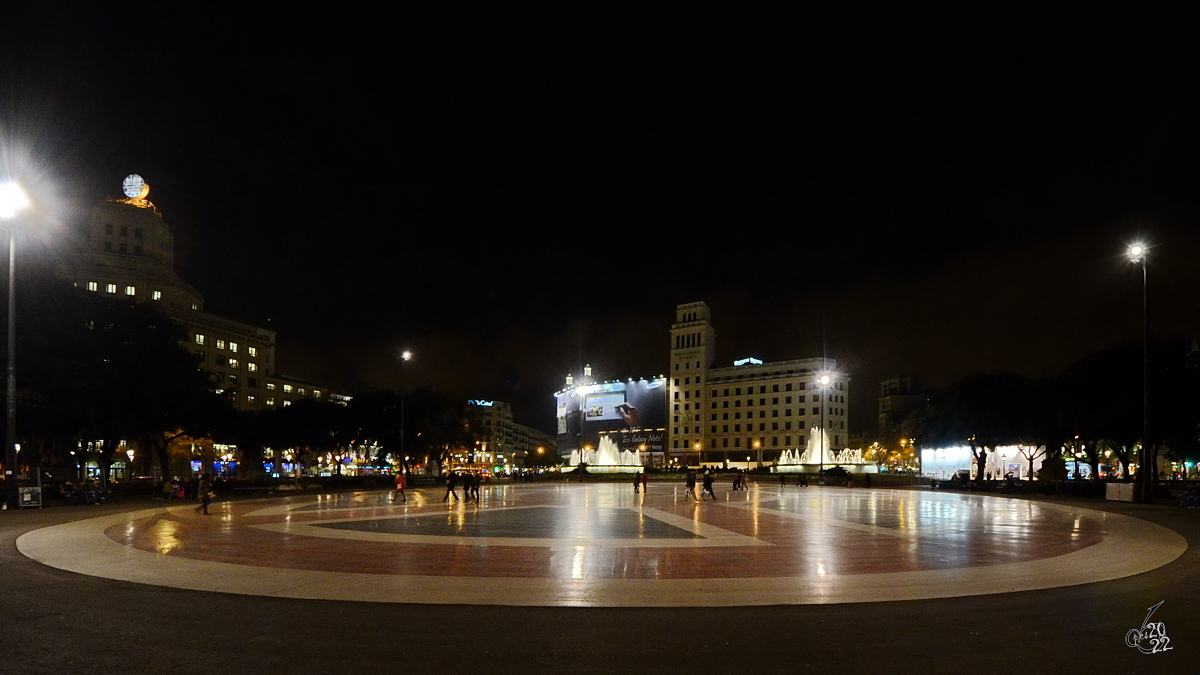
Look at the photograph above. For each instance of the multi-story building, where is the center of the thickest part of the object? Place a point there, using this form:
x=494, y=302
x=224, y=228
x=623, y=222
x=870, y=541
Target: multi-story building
x=899, y=397
x=124, y=249
x=500, y=440
x=751, y=409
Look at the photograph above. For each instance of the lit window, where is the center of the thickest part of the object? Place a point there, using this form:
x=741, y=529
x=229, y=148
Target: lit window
x=110, y=288
x=130, y=290
x=301, y=391
x=250, y=400
x=220, y=344
x=233, y=363
x=252, y=366
x=316, y=394
x=193, y=306
x=270, y=401
x=157, y=295
x=233, y=379
x=233, y=347
x=286, y=403
x=287, y=388
x=220, y=391
x=270, y=386
x=199, y=339
x=252, y=351
x=93, y=286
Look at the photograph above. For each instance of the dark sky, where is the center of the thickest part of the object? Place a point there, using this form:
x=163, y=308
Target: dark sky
x=510, y=192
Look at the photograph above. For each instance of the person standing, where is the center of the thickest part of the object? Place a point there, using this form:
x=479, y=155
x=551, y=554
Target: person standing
x=637, y=482
x=204, y=490
x=708, y=486
x=645, y=481
x=399, y=490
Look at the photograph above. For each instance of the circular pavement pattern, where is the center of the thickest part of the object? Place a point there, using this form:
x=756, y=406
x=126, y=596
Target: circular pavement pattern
x=602, y=545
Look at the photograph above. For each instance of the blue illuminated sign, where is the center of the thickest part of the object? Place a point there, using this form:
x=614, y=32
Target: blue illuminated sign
x=751, y=361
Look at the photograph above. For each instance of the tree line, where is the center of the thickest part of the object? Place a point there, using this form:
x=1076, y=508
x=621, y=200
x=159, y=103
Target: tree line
x=1093, y=406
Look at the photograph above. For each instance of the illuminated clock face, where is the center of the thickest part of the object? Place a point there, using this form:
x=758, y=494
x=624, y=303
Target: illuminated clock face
x=134, y=187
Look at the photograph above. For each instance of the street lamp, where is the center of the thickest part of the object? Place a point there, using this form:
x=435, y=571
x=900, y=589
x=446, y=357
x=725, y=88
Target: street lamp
x=699, y=462
x=1137, y=254
x=12, y=199
x=404, y=356
x=824, y=381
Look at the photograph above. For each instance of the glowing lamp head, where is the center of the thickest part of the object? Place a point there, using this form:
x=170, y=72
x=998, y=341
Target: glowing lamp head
x=12, y=199
x=1137, y=251
x=407, y=355
x=823, y=380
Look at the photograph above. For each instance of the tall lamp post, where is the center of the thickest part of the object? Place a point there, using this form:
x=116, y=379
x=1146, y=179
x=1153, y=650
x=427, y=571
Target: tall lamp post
x=405, y=356
x=1137, y=254
x=821, y=438
x=12, y=199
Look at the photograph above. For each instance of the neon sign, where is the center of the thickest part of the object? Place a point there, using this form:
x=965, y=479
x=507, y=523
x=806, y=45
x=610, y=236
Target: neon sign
x=750, y=361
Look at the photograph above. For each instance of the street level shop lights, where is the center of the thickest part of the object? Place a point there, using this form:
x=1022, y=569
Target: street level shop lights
x=12, y=200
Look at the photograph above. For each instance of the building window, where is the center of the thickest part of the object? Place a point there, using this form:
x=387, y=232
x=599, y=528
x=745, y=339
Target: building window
x=108, y=228
x=271, y=401
x=156, y=295
x=193, y=306
x=253, y=382
x=233, y=363
x=252, y=351
x=287, y=388
x=250, y=399
x=252, y=366
x=233, y=347
x=108, y=246
x=233, y=379
x=124, y=230
x=270, y=386
x=130, y=290
x=221, y=360
x=93, y=286
x=110, y=288
x=137, y=233
x=286, y=403
x=199, y=339
x=123, y=247
x=300, y=391
x=220, y=344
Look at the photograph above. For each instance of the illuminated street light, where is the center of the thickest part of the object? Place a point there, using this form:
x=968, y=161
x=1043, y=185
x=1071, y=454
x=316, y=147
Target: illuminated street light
x=404, y=357
x=822, y=439
x=1138, y=252
x=12, y=200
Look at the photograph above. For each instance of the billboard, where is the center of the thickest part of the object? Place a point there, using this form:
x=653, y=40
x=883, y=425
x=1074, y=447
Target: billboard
x=632, y=414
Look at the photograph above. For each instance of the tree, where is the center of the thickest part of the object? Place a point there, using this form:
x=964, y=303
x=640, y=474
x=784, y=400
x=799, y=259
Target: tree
x=103, y=369
x=983, y=412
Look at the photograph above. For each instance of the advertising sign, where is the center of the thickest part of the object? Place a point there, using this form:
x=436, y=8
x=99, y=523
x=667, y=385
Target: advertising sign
x=632, y=414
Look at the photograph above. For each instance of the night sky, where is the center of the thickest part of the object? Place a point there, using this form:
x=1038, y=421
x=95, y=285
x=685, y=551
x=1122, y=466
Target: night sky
x=510, y=193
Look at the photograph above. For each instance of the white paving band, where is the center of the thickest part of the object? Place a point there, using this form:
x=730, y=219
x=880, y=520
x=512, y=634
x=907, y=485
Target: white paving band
x=1133, y=546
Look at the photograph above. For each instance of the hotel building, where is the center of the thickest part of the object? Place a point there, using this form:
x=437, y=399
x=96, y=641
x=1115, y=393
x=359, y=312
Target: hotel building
x=124, y=249
x=750, y=409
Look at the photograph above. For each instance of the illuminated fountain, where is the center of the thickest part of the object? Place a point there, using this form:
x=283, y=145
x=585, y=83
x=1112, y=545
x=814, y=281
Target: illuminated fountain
x=608, y=458
x=818, y=453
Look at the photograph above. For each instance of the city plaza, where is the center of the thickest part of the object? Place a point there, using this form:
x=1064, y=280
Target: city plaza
x=576, y=577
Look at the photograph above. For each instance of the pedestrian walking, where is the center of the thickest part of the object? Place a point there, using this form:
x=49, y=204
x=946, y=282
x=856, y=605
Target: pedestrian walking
x=708, y=486
x=691, y=485
x=204, y=490
x=399, y=490
x=451, y=483
x=645, y=481
x=637, y=482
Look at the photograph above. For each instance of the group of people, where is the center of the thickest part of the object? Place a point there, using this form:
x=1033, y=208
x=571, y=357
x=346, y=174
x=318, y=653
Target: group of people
x=174, y=488
x=706, y=482
x=470, y=482
x=640, y=481
x=89, y=491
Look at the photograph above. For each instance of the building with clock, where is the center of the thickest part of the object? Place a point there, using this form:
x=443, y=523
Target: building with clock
x=124, y=249
x=750, y=409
